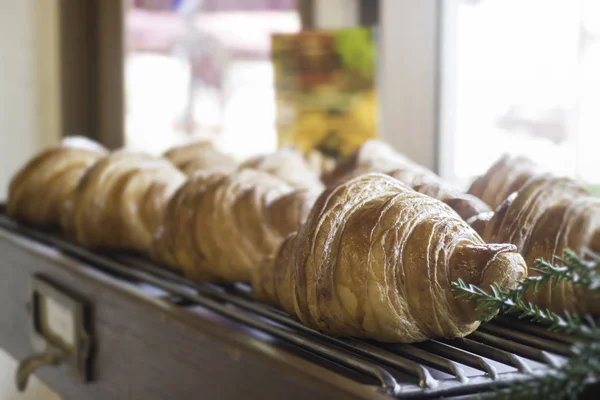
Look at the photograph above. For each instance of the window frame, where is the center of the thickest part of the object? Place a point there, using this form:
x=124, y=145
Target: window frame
x=88, y=46
x=414, y=95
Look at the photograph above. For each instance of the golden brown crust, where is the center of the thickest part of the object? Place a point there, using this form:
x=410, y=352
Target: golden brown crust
x=376, y=156
x=38, y=192
x=543, y=216
x=465, y=205
x=505, y=176
x=288, y=165
x=375, y=259
x=200, y=155
x=479, y=221
x=287, y=213
x=427, y=183
x=175, y=241
x=120, y=200
x=231, y=222
x=547, y=216
x=373, y=156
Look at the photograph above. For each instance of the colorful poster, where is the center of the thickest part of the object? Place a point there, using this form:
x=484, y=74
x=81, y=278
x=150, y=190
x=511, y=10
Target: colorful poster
x=325, y=89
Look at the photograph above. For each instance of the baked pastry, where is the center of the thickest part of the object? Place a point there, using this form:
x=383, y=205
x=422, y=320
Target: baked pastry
x=375, y=260
x=545, y=217
x=426, y=182
x=220, y=227
x=505, y=176
x=377, y=156
x=38, y=192
x=289, y=165
x=120, y=200
x=321, y=164
x=373, y=156
x=200, y=155
x=174, y=243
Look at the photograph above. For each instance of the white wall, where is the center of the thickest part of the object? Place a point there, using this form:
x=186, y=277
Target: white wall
x=22, y=113
x=18, y=95
x=408, y=80
x=23, y=69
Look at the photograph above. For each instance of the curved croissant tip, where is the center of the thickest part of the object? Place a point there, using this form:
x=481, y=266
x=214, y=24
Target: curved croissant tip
x=491, y=265
x=506, y=269
x=484, y=264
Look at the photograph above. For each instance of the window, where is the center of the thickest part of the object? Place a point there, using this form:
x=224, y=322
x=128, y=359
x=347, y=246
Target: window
x=527, y=82
x=202, y=69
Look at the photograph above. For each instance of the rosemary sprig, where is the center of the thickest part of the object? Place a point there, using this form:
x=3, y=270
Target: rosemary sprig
x=581, y=273
x=511, y=302
x=568, y=380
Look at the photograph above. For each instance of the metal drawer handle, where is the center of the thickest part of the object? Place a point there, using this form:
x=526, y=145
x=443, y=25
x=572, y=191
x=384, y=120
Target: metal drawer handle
x=51, y=357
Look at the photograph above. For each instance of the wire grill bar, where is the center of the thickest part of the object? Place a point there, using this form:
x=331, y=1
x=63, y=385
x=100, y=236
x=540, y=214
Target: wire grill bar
x=517, y=348
x=409, y=367
x=535, y=330
x=529, y=340
x=507, y=342
x=462, y=357
x=431, y=359
x=490, y=352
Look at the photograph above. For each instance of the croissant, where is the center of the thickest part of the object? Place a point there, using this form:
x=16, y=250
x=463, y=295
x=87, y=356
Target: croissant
x=174, y=243
x=200, y=155
x=373, y=156
x=120, y=200
x=376, y=156
x=220, y=227
x=426, y=182
x=545, y=217
x=505, y=176
x=321, y=164
x=288, y=165
x=375, y=260
x=38, y=192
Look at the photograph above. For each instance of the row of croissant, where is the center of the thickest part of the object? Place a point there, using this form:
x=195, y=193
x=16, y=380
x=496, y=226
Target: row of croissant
x=367, y=247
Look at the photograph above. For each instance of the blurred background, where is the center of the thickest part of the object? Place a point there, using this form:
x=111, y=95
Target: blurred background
x=508, y=76
x=459, y=82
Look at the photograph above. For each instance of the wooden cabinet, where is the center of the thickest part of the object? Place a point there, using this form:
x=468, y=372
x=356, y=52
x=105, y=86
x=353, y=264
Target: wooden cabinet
x=147, y=347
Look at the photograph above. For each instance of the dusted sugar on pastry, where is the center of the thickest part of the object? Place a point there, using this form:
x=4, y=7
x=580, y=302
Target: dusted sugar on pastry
x=543, y=219
x=200, y=155
x=375, y=259
x=120, y=201
x=39, y=191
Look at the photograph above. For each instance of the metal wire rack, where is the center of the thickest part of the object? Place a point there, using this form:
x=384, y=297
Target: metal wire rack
x=500, y=353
